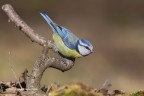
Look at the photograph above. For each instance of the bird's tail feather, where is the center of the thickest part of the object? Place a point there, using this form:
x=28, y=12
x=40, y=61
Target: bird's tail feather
x=49, y=21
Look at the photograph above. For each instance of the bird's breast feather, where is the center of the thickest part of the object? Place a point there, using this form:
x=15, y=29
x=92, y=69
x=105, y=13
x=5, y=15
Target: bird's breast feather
x=63, y=48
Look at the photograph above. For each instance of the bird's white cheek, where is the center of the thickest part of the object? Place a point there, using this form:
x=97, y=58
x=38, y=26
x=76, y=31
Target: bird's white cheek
x=83, y=51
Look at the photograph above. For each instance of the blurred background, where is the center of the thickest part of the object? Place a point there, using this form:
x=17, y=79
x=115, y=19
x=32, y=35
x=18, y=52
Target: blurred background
x=115, y=28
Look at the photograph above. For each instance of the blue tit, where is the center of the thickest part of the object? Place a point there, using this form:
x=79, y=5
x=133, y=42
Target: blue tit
x=68, y=44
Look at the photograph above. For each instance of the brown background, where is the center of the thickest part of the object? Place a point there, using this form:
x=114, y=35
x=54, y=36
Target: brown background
x=115, y=28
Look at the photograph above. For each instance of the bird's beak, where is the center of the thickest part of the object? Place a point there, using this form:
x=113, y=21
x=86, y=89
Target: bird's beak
x=92, y=51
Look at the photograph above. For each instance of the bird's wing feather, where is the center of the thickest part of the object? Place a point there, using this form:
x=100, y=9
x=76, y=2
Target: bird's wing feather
x=67, y=36
x=49, y=21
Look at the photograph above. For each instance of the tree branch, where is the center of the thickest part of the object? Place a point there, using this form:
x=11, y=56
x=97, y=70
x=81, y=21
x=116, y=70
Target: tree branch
x=13, y=17
x=43, y=62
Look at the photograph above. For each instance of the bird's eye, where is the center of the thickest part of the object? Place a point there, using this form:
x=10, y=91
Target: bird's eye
x=87, y=47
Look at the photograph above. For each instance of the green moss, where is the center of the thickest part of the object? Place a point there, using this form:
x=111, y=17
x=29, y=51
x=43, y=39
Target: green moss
x=138, y=93
x=82, y=90
x=73, y=90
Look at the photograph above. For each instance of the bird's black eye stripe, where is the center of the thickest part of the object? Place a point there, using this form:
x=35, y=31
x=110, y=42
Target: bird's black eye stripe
x=85, y=47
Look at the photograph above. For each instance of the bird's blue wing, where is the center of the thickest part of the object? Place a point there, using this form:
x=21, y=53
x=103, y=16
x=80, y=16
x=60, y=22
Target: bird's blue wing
x=67, y=36
x=49, y=21
x=53, y=25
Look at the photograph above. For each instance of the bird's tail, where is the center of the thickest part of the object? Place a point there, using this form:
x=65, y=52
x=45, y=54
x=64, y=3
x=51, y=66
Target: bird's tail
x=49, y=21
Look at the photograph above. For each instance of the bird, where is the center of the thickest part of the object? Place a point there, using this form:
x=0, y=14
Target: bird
x=66, y=42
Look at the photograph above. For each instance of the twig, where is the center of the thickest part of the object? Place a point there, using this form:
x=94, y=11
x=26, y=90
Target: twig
x=58, y=64
x=1, y=88
x=43, y=62
x=107, y=85
x=11, y=68
x=13, y=17
x=54, y=63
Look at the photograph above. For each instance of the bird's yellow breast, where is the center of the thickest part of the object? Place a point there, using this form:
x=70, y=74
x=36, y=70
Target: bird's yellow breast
x=63, y=49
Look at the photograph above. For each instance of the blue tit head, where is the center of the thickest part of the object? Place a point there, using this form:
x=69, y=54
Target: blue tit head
x=84, y=47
